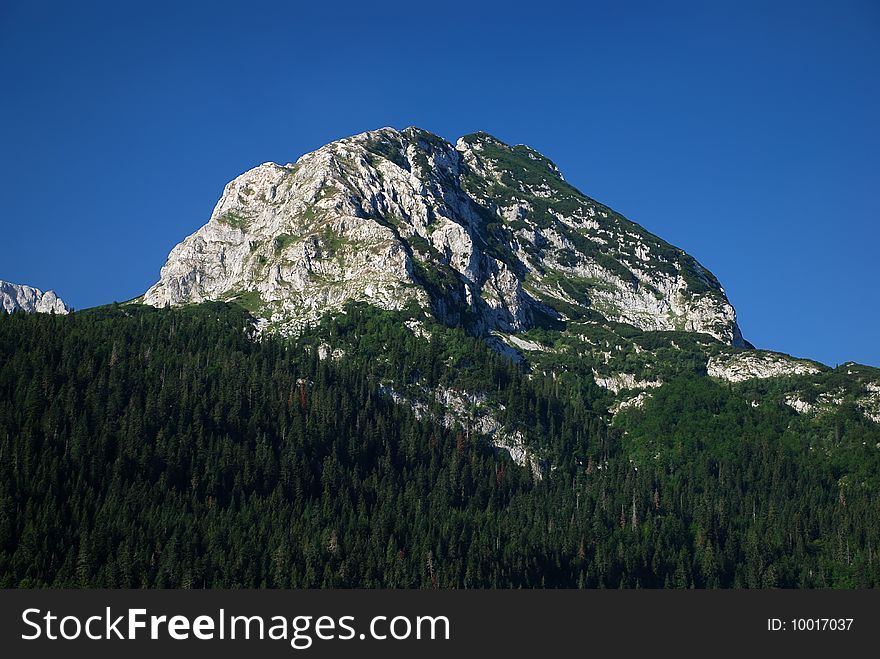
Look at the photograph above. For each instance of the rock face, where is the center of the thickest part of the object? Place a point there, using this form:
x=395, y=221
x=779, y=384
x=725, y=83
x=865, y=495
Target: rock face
x=624, y=382
x=17, y=297
x=758, y=364
x=485, y=235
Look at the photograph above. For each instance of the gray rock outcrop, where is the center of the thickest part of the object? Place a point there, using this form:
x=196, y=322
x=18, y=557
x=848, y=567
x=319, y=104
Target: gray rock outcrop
x=18, y=297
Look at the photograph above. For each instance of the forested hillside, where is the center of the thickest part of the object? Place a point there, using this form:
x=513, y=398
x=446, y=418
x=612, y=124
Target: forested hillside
x=142, y=447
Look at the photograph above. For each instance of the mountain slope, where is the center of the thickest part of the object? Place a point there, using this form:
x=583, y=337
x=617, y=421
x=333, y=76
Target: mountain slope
x=486, y=236
x=18, y=297
x=164, y=448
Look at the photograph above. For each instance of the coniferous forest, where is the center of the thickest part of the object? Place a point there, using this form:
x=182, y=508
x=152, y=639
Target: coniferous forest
x=142, y=447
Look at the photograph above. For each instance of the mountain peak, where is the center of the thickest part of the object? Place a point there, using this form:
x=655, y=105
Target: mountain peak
x=480, y=234
x=519, y=156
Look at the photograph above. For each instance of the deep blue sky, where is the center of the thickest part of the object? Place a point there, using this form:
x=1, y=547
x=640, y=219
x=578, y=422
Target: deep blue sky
x=747, y=134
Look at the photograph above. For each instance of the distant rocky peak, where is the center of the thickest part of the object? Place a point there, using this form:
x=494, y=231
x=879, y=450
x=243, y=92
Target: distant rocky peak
x=18, y=297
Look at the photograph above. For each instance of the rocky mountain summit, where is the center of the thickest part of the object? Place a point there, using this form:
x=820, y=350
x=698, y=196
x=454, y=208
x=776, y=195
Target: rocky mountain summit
x=18, y=297
x=485, y=235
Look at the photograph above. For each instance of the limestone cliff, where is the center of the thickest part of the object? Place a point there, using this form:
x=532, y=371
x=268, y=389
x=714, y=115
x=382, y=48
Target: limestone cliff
x=482, y=234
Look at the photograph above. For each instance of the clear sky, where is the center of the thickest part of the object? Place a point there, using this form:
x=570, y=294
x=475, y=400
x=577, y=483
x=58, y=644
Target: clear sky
x=746, y=133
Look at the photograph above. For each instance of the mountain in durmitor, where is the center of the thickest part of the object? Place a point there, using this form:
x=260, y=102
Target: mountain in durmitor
x=484, y=236
x=18, y=297
x=402, y=363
